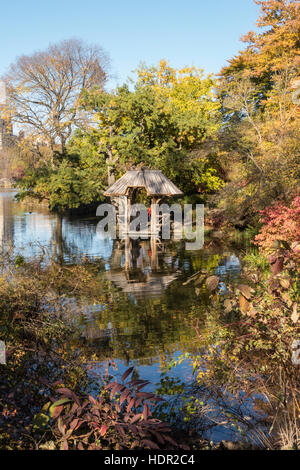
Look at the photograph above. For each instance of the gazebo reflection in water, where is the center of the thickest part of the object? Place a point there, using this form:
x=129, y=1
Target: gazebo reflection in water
x=136, y=269
x=137, y=265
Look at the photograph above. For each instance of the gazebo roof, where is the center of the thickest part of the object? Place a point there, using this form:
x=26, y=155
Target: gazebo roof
x=154, y=181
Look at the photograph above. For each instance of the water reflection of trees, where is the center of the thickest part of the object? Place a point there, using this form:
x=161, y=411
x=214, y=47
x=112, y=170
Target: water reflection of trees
x=154, y=319
x=138, y=325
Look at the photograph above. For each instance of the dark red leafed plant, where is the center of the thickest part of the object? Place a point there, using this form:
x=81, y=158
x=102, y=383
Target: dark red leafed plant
x=119, y=418
x=280, y=222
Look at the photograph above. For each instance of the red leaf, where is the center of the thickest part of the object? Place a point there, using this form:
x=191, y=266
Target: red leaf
x=61, y=426
x=110, y=385
x=116, y=388
x=103, y=429
x=159, y=437
x=134, y=444
x=57, y=382
x=142, y=386
x=57, y=411
x=69, y=394
x=136, y=382
x=65, y=445
x=136, y=418
x=168, y=438
x=146, y=412
x=162, y=428
x=128, y=372
x=74, y=423
x=133, y=429
x=138, y=402
x=124, y=396
x=130, y=404
x=92, y=400
x=144, y=395
x=185, y=447
x=150, y=444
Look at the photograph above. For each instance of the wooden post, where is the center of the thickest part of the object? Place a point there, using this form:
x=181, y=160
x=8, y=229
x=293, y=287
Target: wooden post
x=154, y=233
x=154, y=225
x=122, y=216
x=154, y=256
x=127, y=264
x=128, y=213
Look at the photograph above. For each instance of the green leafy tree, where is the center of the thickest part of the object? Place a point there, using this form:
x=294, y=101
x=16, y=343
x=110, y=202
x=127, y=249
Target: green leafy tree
x=163, y=123
x=170, y=124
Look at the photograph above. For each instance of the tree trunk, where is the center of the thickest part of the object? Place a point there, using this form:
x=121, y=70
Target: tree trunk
x=110, y=168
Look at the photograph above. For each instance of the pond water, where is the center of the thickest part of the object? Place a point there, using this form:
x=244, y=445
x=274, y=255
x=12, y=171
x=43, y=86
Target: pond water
x=151, y=317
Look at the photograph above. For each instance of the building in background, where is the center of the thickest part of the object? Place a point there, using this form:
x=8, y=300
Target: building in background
x=7, y=139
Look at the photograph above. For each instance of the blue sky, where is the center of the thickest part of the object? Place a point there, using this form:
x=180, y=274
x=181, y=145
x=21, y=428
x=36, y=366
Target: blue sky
x=204, y=33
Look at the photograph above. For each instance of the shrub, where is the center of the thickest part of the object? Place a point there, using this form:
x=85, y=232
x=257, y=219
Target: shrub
x=280, y=222
x=121, y=419
x=249, y=336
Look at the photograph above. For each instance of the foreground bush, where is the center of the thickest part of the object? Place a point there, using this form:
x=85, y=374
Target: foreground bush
x=248, y=366
x=116, y=421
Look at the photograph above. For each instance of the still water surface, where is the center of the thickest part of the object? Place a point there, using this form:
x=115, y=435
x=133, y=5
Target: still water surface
x=150, y=319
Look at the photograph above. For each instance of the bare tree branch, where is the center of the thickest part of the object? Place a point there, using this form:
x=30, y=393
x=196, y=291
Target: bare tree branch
x=44, y=88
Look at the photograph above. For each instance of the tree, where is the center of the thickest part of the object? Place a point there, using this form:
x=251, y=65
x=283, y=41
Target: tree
x=189, y=99
x=274, y=48
x=130, y=128
x=161, y=123
x=44, y=89
x=75, y=182
x=260, y=136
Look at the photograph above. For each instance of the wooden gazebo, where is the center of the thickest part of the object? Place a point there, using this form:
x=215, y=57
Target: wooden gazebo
x=156, y=184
